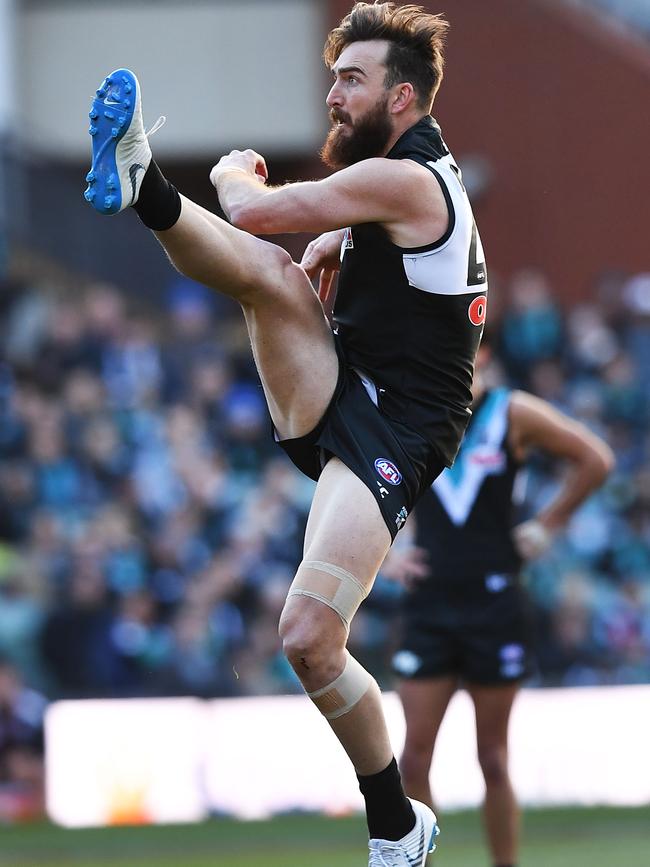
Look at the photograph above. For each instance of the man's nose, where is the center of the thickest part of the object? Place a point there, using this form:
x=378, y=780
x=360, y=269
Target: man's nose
x=334, y=97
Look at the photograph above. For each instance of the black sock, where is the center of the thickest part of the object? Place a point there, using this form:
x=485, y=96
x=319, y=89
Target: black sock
x=159, y=204
x=388, y=810
x=505, y=865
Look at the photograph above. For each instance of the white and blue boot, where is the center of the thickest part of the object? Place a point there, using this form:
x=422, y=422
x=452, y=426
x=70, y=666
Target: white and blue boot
x=412, y=850
x=121, y=152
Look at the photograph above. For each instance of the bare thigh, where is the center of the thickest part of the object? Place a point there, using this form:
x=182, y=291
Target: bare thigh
x=291, y=339
x=345, y=528
x=345, y=524
x=293, y=348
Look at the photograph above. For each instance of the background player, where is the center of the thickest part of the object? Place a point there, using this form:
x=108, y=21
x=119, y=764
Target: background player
x=465, y=617
x=374, y=413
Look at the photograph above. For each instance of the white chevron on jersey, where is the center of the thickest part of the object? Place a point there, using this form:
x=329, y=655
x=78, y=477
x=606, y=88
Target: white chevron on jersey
x=443, y=270
x=481, y=455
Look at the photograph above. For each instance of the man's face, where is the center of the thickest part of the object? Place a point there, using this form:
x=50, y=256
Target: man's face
x=359, y=106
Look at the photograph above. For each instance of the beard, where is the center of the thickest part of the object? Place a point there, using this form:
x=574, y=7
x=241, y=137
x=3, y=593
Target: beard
x=368, y=137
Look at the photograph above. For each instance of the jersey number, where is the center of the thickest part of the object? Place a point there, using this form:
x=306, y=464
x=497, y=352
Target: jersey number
x=476, y=270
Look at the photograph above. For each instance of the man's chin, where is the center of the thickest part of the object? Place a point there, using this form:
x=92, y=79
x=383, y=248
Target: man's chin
x=333, y=162
x=331, y=151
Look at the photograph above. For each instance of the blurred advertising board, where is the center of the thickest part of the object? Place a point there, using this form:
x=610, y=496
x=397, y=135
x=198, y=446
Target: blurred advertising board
x=137, y=761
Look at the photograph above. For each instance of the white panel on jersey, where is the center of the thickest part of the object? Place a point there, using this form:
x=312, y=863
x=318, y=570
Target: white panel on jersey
x=444, y=270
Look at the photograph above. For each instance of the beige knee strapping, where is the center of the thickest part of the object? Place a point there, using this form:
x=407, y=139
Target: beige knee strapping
x=331, y=585
x=343, y=693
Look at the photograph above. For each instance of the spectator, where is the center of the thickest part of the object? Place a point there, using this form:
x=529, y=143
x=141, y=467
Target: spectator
x=151, y=521
x=21, y=747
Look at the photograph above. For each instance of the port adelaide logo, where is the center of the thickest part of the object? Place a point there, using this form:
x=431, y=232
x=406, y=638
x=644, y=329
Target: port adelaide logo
x=388, y=471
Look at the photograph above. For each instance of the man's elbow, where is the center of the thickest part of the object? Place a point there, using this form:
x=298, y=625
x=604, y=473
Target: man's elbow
x=602, y=463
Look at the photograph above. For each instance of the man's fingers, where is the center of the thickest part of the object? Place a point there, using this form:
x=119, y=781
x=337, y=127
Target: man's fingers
x=261, y=169
x=325, y=284
x=307, y=256
x=311, y=260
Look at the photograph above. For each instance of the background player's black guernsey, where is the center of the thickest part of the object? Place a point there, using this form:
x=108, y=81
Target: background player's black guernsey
x=411, y=319
x=464, y=521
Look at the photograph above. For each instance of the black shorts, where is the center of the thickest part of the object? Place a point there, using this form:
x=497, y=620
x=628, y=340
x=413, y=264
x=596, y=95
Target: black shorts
x=390, y=458
x=479, y=630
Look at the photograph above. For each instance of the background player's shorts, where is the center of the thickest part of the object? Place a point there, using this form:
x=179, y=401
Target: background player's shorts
x=390, y=458
x=478, y=629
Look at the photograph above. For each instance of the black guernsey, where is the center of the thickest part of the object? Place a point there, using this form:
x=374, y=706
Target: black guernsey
x=411, y=319
x=464, y=521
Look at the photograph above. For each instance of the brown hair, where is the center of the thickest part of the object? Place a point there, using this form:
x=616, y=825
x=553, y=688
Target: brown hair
x=416, y=41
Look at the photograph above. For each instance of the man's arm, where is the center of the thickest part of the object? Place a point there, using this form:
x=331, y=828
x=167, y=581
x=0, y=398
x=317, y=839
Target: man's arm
x=371, y=191
x=535, y=424
x=406, y=563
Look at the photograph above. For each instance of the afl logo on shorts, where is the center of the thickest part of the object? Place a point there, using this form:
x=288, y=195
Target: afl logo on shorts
x=388, y=471
x=477, y=310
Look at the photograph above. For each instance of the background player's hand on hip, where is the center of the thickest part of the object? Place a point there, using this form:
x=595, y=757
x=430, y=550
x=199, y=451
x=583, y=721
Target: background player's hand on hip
x=532, y=539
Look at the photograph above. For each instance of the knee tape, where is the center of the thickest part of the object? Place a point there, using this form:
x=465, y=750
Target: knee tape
x=331, y=585
x=343, y=693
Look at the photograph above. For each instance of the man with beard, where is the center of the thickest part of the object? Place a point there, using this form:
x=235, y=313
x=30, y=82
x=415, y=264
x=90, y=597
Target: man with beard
x=374, y=408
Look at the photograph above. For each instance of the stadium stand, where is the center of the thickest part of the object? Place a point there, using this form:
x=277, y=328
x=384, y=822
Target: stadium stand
x=149, y=527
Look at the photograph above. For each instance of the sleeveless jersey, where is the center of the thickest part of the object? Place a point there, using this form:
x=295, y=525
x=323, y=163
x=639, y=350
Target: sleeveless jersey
x=464, y=520
x=411, y=319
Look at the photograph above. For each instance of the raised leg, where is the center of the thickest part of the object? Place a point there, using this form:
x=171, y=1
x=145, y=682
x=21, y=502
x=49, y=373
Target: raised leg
x=291, y=340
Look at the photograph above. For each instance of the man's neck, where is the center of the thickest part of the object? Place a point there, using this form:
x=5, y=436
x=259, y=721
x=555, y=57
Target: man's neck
x=405, y=125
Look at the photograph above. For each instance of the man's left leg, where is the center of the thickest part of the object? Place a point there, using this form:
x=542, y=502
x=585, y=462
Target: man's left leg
x=493, y=705
x=346, y=542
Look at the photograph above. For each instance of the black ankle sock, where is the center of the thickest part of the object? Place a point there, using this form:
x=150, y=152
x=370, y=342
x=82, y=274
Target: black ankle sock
x=159, y=204
x=388, y=810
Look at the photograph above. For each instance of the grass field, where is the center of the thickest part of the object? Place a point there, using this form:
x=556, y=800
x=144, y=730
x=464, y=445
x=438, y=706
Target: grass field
x=552, y=838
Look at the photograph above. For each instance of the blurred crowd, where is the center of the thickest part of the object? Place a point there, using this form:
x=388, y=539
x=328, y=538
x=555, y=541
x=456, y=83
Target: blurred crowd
x=150, y=527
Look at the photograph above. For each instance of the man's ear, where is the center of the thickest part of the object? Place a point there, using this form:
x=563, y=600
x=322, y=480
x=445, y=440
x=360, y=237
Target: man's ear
x=404, y=97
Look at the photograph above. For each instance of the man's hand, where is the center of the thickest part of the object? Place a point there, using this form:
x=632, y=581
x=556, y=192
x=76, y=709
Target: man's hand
x=249, y=162
x=406, y=565
x=532, y=539
x=322, y=259
x=323, y=252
